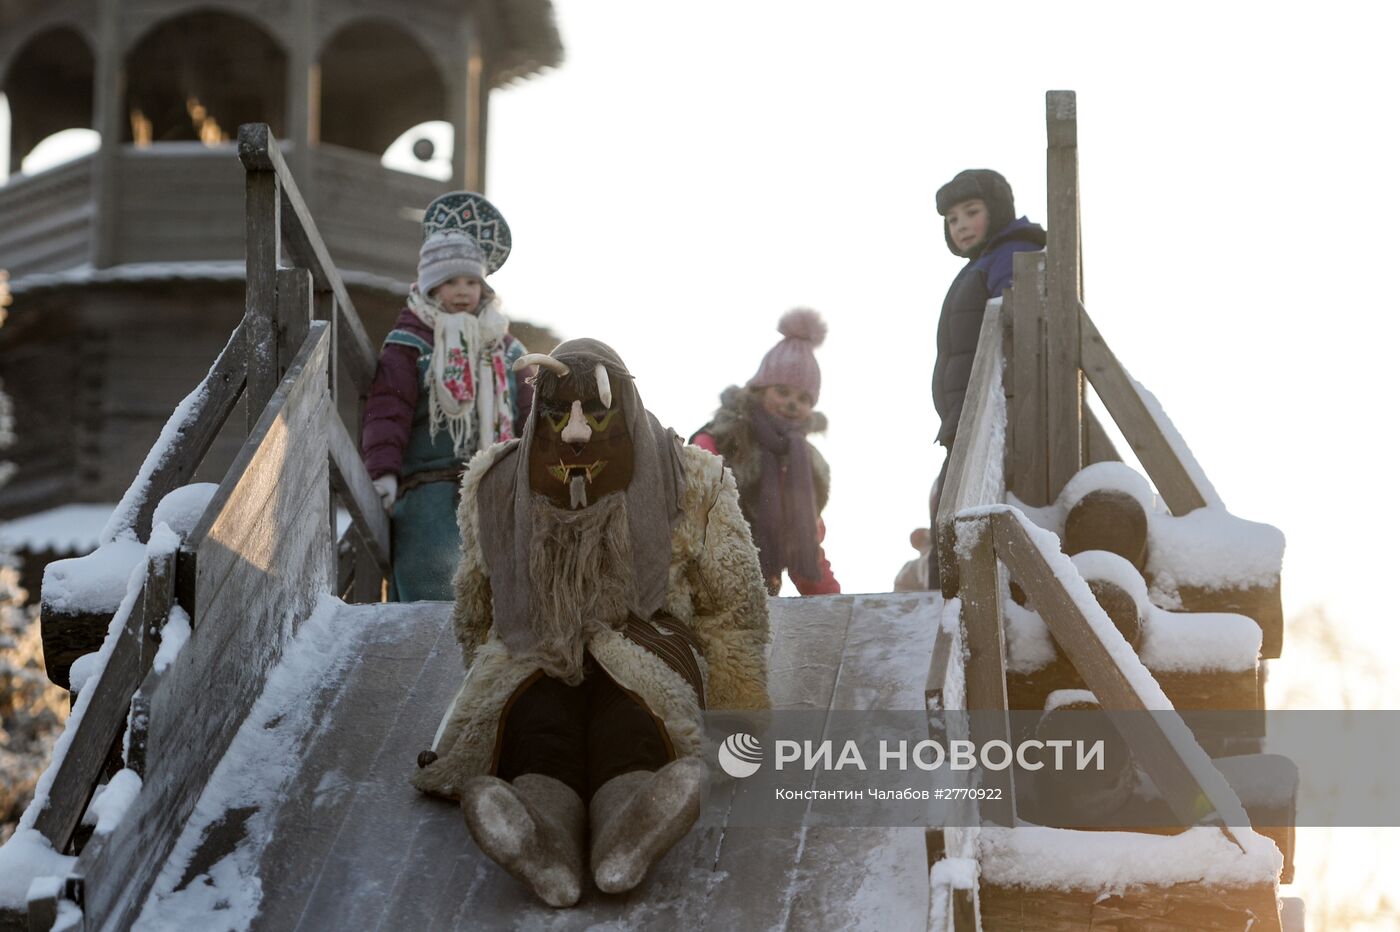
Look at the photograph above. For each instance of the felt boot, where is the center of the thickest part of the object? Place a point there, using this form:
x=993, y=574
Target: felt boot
x=636, y=818
x=533, y=827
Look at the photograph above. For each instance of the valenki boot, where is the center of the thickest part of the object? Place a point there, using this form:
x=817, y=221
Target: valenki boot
x=636, y=818
x=533, y=827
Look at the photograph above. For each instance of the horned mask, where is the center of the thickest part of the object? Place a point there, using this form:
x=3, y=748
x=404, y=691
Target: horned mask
x=580, y=447
x=589, y=435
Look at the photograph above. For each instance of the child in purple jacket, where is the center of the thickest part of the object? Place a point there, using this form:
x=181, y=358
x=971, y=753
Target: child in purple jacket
x=443, y=390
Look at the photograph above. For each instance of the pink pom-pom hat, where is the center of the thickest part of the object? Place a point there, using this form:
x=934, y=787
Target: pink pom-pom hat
x=793, y=361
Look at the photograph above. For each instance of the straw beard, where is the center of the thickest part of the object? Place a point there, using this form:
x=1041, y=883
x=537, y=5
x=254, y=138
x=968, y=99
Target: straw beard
x=580, y=579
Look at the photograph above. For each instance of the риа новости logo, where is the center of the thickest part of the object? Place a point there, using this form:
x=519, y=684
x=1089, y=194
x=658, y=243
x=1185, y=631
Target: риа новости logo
x=740, y=755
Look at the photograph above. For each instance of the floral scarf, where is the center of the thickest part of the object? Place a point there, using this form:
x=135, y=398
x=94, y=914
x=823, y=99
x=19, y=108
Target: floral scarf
x=466, y=378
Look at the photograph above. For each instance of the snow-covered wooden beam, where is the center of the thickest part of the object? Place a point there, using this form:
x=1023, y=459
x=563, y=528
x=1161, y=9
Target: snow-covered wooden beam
x=975, y=474
x=1192, y=787
x=1063, y=289
x=1173, y=470
x=981, y=592
x=296, y=231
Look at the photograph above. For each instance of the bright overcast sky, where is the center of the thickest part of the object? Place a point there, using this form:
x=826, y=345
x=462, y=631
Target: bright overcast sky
x=693, y=170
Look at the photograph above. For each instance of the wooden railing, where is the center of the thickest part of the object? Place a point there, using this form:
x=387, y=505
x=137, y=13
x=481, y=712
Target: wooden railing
x=252, y=568
x=1024, y=430
x=1024, y=427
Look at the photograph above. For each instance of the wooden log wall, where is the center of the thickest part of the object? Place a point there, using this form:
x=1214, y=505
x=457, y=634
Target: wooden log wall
x=379, y=229
x=178, y=202
x=48, y=219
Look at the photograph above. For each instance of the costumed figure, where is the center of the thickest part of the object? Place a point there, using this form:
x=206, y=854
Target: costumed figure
x=608, y=593
x=761, y=431
x=444, y=389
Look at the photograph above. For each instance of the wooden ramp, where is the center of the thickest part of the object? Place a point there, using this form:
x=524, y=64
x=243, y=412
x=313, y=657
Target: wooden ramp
x=350, y=844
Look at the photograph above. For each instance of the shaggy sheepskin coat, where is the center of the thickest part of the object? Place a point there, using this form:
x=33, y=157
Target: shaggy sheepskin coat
x=714, y=586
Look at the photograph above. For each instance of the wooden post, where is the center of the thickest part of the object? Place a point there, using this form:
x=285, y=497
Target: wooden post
x=263, y=208
x=964, y=910
x=1165, y=464
x=302, y=81
x=1064, y=391
x=463, y=101
x=980, y=580
x=156, y=600
x=368, y=583
x=108, y=118
x=294, y=313
x=1028, y=478
x=481, y=97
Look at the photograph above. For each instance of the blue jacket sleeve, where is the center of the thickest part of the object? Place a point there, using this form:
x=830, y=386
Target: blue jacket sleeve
x=999, y=269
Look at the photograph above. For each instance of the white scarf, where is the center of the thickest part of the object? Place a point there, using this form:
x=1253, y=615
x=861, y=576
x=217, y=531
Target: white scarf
x=467, y=373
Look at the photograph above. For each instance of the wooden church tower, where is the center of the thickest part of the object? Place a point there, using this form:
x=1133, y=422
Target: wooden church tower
x=126, y=264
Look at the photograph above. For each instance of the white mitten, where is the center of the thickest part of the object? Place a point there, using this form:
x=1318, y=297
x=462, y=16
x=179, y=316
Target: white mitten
x=388, y=489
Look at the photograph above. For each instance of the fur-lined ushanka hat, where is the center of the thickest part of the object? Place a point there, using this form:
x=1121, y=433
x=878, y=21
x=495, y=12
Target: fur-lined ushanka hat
x=982, y=183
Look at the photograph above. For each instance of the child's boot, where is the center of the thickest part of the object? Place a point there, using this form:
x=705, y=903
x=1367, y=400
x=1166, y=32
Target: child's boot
x=534, y=828
x=636, y=818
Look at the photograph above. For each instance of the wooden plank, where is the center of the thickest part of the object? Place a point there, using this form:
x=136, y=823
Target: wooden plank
x=263, y=250
x=1137, y=422
x=294, y=314
x=41, y=911
x=804, y=665
x=261, y=565
x=105, y=712
x=884, y=667
x=196, y=707
x=68, y=636
x=965, y=911
x=357, y=494
x=1187, y=907
x=938, y=669
x=1160, y=742
x=376, y=718
x=218, y=396
x=986, y=658
x=1029, y=477
x=313, y=355
x=259, y=152
x=1263, y=604
x=1210, y=689
x=1063, y=386
x=369, y=582
x=156, y=601
x=1098, y=448
x=976, y=449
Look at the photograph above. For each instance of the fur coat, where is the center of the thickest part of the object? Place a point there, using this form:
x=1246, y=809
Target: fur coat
x=714, y=586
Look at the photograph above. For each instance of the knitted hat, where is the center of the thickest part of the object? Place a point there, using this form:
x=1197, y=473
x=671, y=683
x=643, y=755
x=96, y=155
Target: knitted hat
x=446, y=255
x=991, y=187
x=792, y=361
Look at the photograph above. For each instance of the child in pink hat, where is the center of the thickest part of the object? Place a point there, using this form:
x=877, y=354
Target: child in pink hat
x=761, y=431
